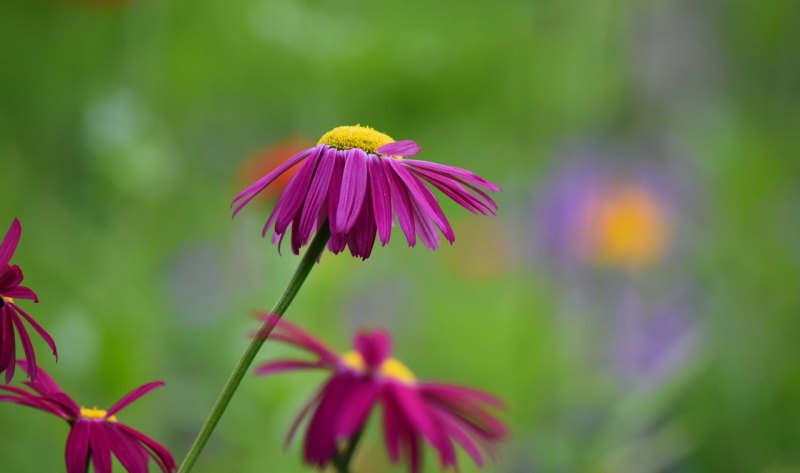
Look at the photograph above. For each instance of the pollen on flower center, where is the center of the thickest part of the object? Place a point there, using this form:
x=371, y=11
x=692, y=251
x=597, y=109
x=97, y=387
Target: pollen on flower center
x=7, y=299
x=396, y=369
x=350, y=137
x=96, y=414
x=391, y=368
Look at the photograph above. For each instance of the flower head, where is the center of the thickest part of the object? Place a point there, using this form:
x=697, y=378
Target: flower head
x=413, y=410
x=95, y=434
x=11, y=315
x=357, y=179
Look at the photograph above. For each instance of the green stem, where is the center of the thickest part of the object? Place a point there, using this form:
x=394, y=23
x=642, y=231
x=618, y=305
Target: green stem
x=342, y=459
x=313, y=253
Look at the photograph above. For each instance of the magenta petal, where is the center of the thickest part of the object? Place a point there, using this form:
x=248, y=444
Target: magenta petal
x=9, y=244
x=353, y=190
x=248, y=194
x=381, y=199
x=401, y=203
x=300, y=416
x=22, y=292
x=10, y=278
x=293, y=196
x=8, y=357
x=334, y=191
x=77, y=451
x=157, y=452
x=357, y=406
x=39, y=329
x=292, y=334
x=453, y=172
x=374, y=347
x=317, y=193
x=425, y=204
x=399, y=148
x=130, y=454
x=320, y=445
x=361, y=238
x=279, y=366
x=101, y=447
x=27, y=346
x=132, y=396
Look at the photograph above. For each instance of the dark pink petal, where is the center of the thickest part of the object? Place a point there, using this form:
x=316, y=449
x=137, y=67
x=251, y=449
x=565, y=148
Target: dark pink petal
x=413, y=410
x=392, y=428
x=132, y=396
x=462, y=438
x=157, y=452
x=424, y=201
x=7, y=342
x=355, y=408
x=353, y=190
x=317, y=193
x=453, y=172
x=279, y=366
x=248, y=194
x=313, y=401
x=338, y=241
x=9, y=355
x=400, y=202
x=132, y=456
x=381, y=199
x=455, y=190
x=25, y=398
x=22, y=292
x=320, y=445
x=375, y=347
x=9, y=244
x=292, y=334
x=292, y=198
x=100, y=446
x=10, y=278
x=361, y=239
x=425, y=227
x=400, y=148
x=77, y=451
x=41, y=331
x=459, y=393
x=27, y=346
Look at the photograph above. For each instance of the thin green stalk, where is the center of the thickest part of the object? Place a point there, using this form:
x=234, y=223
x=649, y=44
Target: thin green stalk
x=313, y=253
x=342, y=459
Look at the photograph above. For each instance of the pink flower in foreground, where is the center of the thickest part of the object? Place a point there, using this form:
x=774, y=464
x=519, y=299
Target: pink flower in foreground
x=413, y=410
x=358, y=179
x=11, y=315
x=94, y=434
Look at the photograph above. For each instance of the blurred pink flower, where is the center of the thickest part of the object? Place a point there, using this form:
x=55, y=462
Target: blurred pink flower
x=413, y=410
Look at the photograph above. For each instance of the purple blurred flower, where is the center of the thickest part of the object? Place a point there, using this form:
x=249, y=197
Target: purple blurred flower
x=357, y=179
x=94, y=434
x=412, y=410
x=11, y=315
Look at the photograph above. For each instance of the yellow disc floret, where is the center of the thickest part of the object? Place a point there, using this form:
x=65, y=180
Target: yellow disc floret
x=350, y=137
x=96, y=414
x=390, y=368
x=395, y=369
x=8, y=299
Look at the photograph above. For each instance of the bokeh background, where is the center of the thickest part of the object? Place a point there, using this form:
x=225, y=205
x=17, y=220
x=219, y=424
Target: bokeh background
x=635, y=301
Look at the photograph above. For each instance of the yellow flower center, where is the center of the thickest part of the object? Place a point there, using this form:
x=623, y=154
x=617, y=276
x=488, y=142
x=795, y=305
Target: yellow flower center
x=350, y=137
x=96, y=414
x=629, y=228
x=390, y=368
x=8, y=299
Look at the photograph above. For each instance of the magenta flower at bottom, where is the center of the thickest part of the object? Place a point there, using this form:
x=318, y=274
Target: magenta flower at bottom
x=94, y=434
x=413, y=410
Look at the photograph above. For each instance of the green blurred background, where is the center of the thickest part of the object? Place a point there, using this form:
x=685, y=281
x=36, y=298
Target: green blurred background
x=126, y=129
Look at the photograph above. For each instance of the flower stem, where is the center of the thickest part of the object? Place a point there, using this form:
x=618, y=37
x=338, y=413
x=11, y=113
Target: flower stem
x=342, y=459
x=313, y=253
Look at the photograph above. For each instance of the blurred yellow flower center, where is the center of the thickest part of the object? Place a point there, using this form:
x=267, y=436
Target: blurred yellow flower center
x=8, y=299
x=390, y=368
x=628, y=228
x=350, y=137
x=95, y=413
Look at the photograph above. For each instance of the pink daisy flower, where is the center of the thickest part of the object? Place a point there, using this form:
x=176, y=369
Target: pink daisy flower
x=413, y=410
x=357, y=179
x=94, y=434
x=11, y=315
